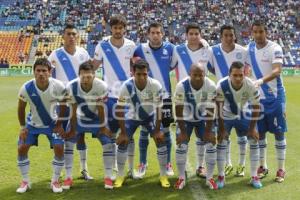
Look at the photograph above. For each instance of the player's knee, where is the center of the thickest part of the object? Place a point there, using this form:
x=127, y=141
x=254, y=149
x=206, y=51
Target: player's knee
x=58, y=150
x=23, y=149
x=279, y=136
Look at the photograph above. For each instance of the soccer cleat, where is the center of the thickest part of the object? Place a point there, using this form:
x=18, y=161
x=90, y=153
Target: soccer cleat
x=228, y=170
x=119, y=181
x=67, y=184
x=56, y=188
x=280, y=176
x=141, y=170
x=211, y=184
x=108, y=184
x=23, y=187
x=180, y=183
x=169, y=170
x=85, y=175
x=240, y=171
x=132, y=175
x=221, y=182
x=164, y=182
x=262, y=172
x=255, y=182
x=201, y=172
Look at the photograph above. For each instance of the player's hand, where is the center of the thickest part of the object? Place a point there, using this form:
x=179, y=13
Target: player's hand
x=204, y=43
x=221, y=136
x=209, y=137
x=253, y=134
x=122, y=139
x=23, y=134
x=182, y=137
x=105, y=131
x=258, y=83
x=59, y=130
x=159, y=137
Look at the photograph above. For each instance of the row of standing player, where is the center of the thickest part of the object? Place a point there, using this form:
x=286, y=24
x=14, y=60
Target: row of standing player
x=117, y=51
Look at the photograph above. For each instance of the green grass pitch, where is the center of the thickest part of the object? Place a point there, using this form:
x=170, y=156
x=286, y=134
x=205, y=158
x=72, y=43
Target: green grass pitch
x=148, y=188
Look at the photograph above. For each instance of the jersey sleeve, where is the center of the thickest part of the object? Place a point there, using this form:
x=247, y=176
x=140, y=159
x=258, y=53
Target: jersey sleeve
x=98, y=52
x=60, y=91
x=254, y=96
x=23, y=94
x=52, y=60
x=174, y=61
x=102, y=93
x=124, y=97
x=69, y=94
x=219, y=93
x=157, y=96
x=179, y=94
x=210, y=62
x=277, y=55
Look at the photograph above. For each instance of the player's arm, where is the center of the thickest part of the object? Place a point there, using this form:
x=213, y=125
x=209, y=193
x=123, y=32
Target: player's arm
x=96, y=63
x=276, y=71
x=158, y=135
x=73, y=121
x=21, y=117
x=208, y=135
x=101, y=113
x=182, y=136
x=255, y=109
x=61, y=114
x=120, y=114
x=221, y=128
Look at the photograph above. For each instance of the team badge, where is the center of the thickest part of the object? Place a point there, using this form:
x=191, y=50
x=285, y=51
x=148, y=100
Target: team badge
x=239, y=55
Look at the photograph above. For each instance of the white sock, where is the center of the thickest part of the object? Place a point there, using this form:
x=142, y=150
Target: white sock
x=68, y=154
x=228, y=153
x=121, y=159
x=162, y=156
x=115, y=149
x=83, y=157
x=254, y=157
x=242, y=142
x=181, y=157
x=200, y=147
x=280, y=152
x=210, y=159
x=263, y=152
x=24, y=164
x=57, y=165
x=221, y=154
x=130, y=150
x=108, y=155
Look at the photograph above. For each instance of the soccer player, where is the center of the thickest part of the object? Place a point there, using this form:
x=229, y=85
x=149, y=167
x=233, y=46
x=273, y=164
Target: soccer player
x=87, y=96
x=195, y=50
x=195, y=104
x=235, y=93
x=221, y=58
x=115, y=53
x=266, y=58
x=142, y=96
x=65, y=62
x=159, y=56
x=42, y=94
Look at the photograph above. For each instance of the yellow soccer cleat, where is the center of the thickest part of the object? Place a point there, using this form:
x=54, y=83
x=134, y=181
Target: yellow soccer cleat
x=119, y=181
x=164, y=182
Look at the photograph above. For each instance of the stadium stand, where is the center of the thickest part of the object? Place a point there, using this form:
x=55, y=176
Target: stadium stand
x=46, y=19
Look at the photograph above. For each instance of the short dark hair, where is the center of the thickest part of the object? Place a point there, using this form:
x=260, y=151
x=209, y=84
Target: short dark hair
x=117, y=19
x=192, y=25
x=236, y=65
x=228, y=27
x=140, y=64
x=42, y=61
x=69, y=26
x=155, y=25
x=86, y=66
x=259, y=23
